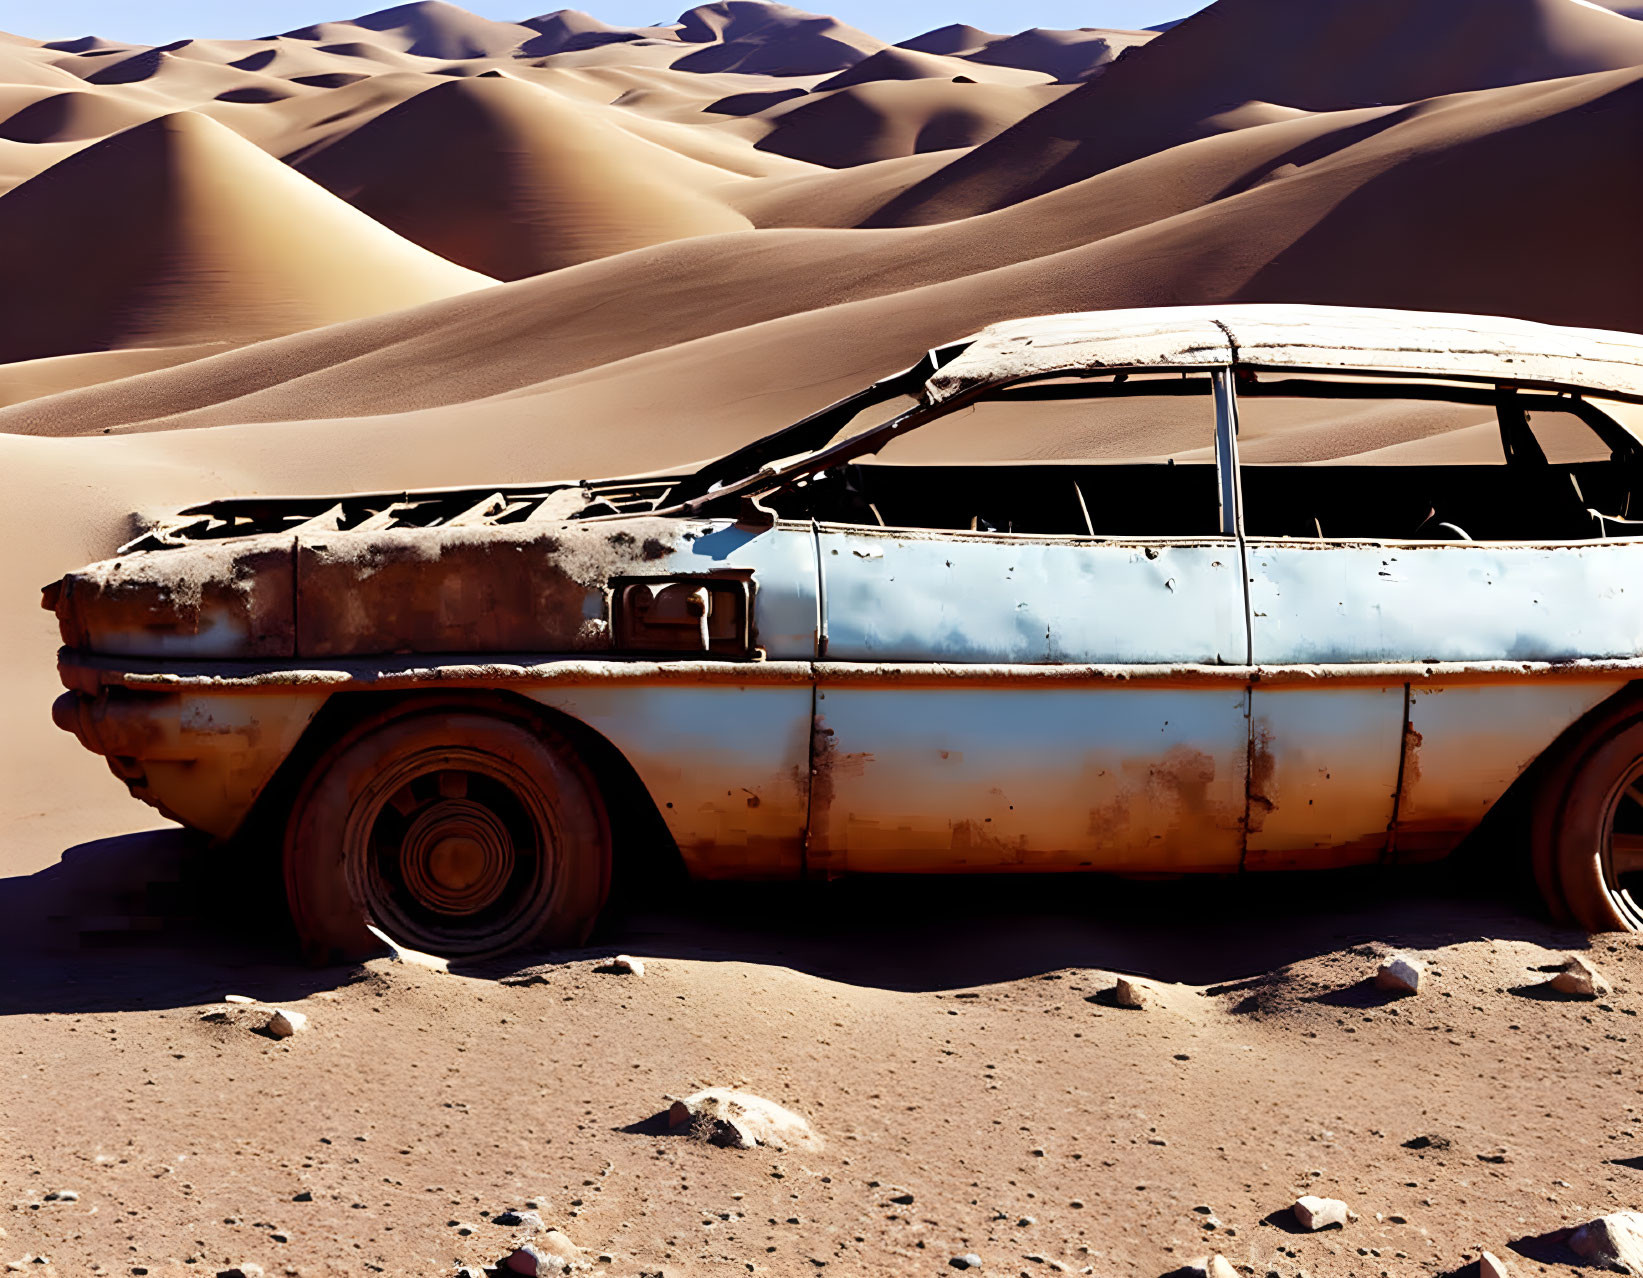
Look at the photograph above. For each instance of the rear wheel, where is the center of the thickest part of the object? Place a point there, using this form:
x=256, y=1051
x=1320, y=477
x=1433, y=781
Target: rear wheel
x=1597, y=833
x=456, y=831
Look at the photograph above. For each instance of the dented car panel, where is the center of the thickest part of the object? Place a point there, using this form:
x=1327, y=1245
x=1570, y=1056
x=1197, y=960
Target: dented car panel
x=1323, y=774
x=1333, y=604
x=898, y=595
x=727, y=765
x=1466, y=744
x=1028, y=775
x=202, y=756
x=804, y=692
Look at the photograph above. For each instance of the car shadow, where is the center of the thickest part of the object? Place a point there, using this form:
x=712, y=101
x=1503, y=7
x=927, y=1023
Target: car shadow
x=157, y=918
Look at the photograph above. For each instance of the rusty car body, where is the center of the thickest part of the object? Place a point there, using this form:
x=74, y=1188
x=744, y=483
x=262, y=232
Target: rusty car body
x=1205, y=645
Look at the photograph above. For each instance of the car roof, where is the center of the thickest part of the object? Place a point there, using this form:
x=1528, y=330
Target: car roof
x=1324, y=339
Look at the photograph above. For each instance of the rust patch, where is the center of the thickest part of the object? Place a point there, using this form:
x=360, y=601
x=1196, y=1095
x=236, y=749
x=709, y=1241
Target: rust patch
x=1167, y=818
x=825, y=853
x=1410, y=774
x=973, y=836
x=500, y=589
x=209, y=601
x=1263, y=770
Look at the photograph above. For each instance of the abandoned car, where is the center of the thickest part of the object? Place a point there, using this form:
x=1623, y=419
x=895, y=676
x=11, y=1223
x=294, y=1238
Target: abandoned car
x=1205, y=589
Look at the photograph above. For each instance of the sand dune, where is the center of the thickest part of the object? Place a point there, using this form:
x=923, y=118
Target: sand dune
x=178, y=231
x=1065, y=56
x=71, y=117
x=425, y=29
x=955, y=38
x=758, y=38
x=898, y=63
x=884, y=119
x=511, y=180
x=1288, y=52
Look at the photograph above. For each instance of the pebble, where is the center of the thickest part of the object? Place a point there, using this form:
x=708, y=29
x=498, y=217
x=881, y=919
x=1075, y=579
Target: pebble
x=1314, y=1213
x=241, y=1000
x=622, y=965
x=241, y=1271
x=63, y=1196
x=1492, y=1266
x=1128, y=993
x=283, y=1023
x=969, y=1260
x=1400, y=974
x=520, y=1220
x=1615, y=1240
x=1216, y=1266
x=1579, y=979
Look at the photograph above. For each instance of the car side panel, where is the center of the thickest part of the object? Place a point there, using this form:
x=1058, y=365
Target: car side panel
x=975, y=769
x=727, y=766
x=1467, y=743
x=1323, y=774
x=1463, y=601
x=910, y=595
x=1020, y=776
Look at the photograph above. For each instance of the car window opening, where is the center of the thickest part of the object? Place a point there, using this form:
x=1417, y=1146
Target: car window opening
x=1126, y=455
x=1323, y=458
x=1338, y=458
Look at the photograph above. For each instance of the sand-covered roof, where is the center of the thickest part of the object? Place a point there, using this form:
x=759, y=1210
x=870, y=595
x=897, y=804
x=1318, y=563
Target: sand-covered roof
x=1316, y=338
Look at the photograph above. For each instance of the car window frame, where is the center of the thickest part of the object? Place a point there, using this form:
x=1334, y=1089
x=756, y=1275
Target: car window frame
x=784, y=476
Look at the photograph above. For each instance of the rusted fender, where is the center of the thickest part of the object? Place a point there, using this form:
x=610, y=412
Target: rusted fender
x=507, y=588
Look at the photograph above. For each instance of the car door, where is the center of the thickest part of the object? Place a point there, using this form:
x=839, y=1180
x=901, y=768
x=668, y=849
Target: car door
x=1035, y=665
x=1401, y=560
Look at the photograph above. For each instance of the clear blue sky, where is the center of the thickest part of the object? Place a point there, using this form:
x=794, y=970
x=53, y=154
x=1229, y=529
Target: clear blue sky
x=160, y=21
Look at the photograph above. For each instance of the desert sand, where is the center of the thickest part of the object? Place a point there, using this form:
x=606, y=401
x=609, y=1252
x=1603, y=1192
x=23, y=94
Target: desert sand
x=421, y=247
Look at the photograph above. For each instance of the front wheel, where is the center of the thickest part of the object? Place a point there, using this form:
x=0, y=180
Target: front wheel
x=456, y=831
x=1597, y=836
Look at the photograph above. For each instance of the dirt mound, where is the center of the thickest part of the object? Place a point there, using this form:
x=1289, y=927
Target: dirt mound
x=511, y=179
x=178, y=231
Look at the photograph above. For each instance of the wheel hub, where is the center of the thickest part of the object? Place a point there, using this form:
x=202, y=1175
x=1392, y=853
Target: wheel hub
x=457, y=856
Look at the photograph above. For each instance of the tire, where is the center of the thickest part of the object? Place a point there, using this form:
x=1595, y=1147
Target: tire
x=456, y=830
x=1596, y=838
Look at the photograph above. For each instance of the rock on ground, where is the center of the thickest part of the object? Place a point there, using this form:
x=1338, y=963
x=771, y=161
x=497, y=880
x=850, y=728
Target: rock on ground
x=283, y=1024
x=622, y=965
x=1216, y=1266
x=413, y=958
x=1314, y=1213
x=967, y=1261
x=1128, y=993
x=1615, y=1240
x=1492, y=1266
x=1400, y=974
x=741, y=1120
x=1579, y=979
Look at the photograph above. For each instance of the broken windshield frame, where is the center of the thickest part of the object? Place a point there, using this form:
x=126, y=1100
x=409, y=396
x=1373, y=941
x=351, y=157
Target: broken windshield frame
x=803, y=450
